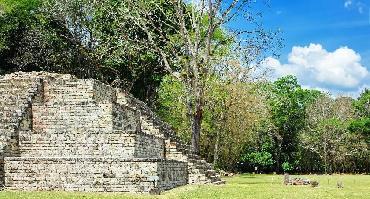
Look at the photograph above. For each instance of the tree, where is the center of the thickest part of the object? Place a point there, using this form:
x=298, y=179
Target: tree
x=361, y=126
x=231, y=112
x=260, y=152
x=90, y=39
x=362, y=123
x=32, y=40
x=327, y=137
x=245, y=108
x=362, y=104
x=288, y=103
x=171, y=107
x=201, y=34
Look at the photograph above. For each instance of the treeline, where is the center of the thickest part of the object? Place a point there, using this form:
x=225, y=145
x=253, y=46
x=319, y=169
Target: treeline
x=89, y=39
x=275, y=126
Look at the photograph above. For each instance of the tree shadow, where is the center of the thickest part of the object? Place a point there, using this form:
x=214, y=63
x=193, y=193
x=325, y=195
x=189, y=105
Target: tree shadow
x=248, y=176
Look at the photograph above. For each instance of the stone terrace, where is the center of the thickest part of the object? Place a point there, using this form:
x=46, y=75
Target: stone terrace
x=62, y=133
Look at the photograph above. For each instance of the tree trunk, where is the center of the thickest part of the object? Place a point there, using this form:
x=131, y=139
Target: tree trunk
x=278, y=155
x=196, y=128
x=325, y=160
x=198, y=93
x=215, y=153
x=219, y=131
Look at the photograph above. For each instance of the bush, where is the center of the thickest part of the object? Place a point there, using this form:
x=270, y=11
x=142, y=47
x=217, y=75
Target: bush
x=287, y=167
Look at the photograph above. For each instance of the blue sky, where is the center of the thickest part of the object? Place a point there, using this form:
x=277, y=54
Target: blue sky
x=327, y=43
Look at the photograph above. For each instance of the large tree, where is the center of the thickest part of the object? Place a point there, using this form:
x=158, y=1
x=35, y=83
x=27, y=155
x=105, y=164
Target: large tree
x=203, y=37
x=288, y=103
x=232, y=111
x=362, y=123
x=326, y=137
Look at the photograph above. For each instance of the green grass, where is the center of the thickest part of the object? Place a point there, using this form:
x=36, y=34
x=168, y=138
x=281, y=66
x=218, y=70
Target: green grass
x=241, y=186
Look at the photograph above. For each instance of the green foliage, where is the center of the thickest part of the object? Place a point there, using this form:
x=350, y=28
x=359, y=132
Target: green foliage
x=23, y=7
x=326, y=137
x=228, y=121
x=97, y=39
x=275, y=126
x=15, y=16
x=288, y=103
x=261, y=159
x=361, y=125
x=260, y=152
x=171, y=107
x=287, y=167
x=362, y=104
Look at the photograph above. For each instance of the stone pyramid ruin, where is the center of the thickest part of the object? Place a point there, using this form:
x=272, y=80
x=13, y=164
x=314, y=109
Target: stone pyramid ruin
x=58, y=132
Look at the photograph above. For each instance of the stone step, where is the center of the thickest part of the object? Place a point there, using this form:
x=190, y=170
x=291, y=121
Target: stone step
x=8, y=120
x=210, y=173
x=13, y=84
x=13, y=97
x=11, y=104
x=8, y=126
x=196, y=171
x=14, y=87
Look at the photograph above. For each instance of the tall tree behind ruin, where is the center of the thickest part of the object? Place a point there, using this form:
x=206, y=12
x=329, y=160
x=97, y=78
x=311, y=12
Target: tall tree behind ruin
x=203, y=37
x=132, y=44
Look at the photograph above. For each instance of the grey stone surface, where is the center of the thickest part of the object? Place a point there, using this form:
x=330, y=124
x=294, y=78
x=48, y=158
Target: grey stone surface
x=62, y=133
x=93, y=174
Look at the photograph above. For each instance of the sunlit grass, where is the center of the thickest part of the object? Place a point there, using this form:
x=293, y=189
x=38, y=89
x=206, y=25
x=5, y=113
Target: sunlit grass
x=241, y=186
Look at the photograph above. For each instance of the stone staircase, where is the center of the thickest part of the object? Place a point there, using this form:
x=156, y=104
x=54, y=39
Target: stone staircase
x=15, y=103
x=62, y=133
x=199, y=171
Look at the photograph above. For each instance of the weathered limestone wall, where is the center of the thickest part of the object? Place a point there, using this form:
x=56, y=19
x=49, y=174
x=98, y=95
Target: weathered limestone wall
x=199, y=171
x=172, y=174
x=125, y=118
x=62, y=133
x=15, y=100
x=93, y=174
x=78, y=119
x=115, y=144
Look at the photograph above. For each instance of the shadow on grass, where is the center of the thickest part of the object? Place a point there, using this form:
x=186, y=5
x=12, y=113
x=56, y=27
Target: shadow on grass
x=254, y=183
x=247, y=176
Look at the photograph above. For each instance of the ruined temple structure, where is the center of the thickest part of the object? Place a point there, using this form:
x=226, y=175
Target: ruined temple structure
x=58, y=132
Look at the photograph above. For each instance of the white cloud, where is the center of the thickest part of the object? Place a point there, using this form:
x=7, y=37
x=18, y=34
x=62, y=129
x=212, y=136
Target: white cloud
x=360, y=7
x=315, y=67
x=355, y=4
x=347, y=3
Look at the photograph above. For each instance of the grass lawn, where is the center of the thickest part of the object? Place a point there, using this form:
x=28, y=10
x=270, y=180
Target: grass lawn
x=241, y=186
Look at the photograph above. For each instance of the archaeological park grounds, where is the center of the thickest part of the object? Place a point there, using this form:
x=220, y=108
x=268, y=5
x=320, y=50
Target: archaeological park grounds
x=241, y=186
x=184, y=99
x=118, y=145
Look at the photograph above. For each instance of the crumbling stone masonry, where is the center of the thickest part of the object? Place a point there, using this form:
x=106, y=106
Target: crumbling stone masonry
x=62, y=133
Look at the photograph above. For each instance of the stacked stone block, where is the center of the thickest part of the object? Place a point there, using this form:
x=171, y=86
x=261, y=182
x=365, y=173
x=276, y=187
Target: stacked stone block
x=94, y=174
x=15, y=102
x=199, y=171
x=62, y=133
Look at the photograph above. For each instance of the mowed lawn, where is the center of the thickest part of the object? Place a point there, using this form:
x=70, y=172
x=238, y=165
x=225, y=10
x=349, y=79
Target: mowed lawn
x=241, y=186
